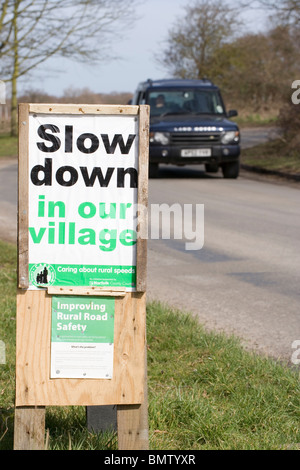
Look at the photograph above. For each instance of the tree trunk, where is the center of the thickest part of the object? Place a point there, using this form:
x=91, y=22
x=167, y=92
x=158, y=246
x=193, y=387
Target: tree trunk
x=14, y=97
x=14, y=109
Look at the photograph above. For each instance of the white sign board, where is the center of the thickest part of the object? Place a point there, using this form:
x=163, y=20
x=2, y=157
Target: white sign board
x=83, y=178
x=82, y=337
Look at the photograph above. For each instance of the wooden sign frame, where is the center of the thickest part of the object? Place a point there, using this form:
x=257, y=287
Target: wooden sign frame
x=142, y=113
x=34, y=387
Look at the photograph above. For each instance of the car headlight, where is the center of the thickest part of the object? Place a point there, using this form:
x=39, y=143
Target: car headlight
x=162, y=138
x=230, y=137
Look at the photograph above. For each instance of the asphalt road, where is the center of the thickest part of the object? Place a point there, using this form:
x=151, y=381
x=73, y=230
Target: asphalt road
x=245, y=279
x=8, y=199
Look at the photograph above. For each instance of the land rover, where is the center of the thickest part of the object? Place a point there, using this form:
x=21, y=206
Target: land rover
x=189, y=125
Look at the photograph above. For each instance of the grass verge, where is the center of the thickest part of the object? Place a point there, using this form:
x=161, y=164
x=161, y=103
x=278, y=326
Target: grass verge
x=205, y=390
x=245, y=119
x=8, y=146
x=272, y=156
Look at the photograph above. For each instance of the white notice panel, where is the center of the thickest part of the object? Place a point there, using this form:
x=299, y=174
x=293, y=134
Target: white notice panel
x=83, y=178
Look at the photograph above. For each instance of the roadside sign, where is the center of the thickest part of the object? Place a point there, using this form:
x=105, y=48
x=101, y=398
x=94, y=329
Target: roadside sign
x=82, y=258
x=83, y=199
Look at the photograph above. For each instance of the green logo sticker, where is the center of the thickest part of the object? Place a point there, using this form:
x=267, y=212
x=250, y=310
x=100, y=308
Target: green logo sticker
x=42, y=275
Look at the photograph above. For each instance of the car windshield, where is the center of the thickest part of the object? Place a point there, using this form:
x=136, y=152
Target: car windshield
x=189, y=101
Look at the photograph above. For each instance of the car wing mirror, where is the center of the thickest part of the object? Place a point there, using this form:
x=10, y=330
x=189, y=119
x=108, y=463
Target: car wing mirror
x=232, y=113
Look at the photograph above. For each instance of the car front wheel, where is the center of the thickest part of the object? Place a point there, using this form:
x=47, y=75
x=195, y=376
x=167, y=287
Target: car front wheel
x=231, y=169
x=153, y=170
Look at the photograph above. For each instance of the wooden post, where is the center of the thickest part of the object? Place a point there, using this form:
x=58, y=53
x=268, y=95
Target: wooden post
x=132, y=421
x=29, y=428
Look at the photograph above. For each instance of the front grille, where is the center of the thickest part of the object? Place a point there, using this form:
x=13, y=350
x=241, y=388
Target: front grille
x=195, y=138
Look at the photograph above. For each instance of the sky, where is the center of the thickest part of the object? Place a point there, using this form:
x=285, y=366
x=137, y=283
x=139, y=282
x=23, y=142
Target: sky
x=136, y=51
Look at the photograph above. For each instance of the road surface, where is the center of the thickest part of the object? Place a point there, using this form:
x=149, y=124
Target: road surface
x=8, y=199
x=245, y=280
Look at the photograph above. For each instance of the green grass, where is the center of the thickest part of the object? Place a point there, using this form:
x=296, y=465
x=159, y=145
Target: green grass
x=8, y=146
x=245, y=119
x=205, y=390
x=272, y=155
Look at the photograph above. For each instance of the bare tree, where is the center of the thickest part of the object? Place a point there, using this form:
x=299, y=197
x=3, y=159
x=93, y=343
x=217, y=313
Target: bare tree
x=285, y=12
x=32, y=31
x=193, y=40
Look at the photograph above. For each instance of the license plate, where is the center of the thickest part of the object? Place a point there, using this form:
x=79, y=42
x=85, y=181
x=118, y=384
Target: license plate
x=196, y=153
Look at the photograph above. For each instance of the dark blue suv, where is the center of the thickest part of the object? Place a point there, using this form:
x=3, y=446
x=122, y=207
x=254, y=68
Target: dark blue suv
x=189, y=125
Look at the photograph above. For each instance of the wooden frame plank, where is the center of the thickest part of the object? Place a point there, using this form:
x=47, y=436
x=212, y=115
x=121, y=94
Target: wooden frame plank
x=83, y=109
x=23, y=276
x=97, y=291
x=142, y=229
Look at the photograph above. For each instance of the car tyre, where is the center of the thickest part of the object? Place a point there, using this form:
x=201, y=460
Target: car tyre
x=231, y=169
x=153, y=170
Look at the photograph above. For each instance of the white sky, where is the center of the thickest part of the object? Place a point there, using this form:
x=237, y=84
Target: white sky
x=136, y=52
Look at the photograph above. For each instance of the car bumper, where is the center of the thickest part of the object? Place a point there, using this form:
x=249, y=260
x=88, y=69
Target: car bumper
x=172, y=155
